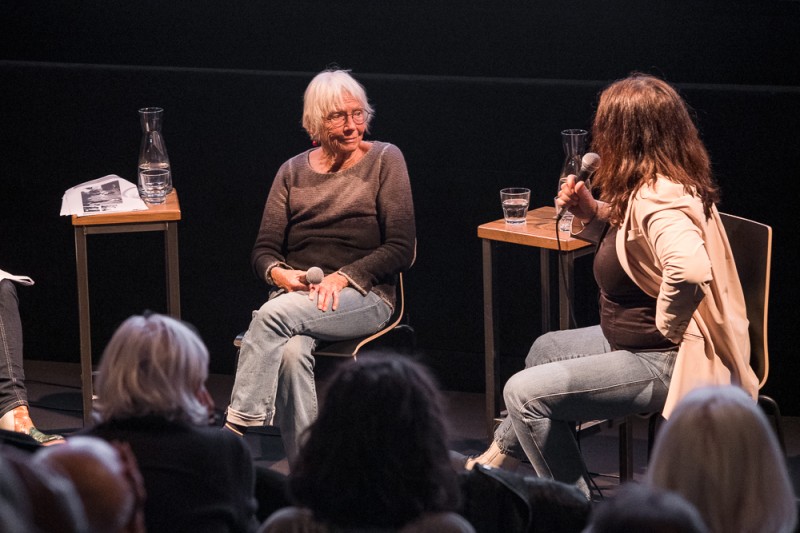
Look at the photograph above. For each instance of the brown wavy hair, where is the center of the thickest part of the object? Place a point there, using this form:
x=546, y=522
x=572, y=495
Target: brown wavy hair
x=641, y=128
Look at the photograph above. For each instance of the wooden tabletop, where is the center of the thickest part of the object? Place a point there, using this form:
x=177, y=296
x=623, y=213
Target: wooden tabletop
x=168, y=211
x=538, y=230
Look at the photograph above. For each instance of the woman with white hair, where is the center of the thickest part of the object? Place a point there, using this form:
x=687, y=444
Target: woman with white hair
x=152, y=394
x=718, y=451
x=344, y=206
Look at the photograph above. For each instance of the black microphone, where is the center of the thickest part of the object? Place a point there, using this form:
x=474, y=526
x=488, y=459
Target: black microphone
x=314, y=275
x=589, y=164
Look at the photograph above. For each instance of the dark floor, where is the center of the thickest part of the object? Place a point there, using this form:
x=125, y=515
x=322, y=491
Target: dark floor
x=54, y=394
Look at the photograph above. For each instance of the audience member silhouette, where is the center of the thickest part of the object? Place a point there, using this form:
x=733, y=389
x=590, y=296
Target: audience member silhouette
x=637, y=507
x=494, y=499
x=376, y=458
x=36, y=499
x=152, y=395
x=718, y=451
x=106, y=478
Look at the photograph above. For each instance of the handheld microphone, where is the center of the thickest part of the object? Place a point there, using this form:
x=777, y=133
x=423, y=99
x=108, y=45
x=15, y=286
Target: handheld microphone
x=314, y=275
x=589, y=163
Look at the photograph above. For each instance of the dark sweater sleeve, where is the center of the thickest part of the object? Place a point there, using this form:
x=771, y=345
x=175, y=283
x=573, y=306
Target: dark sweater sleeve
x=269, y=245
x=395, y=210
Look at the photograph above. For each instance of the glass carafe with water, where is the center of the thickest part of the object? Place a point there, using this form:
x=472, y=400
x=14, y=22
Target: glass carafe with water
x=155, y=175
x=574, y=143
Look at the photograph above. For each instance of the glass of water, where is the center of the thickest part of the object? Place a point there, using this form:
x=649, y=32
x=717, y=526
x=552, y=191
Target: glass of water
x=565, y=224
x=153, y=184
x=515, y=202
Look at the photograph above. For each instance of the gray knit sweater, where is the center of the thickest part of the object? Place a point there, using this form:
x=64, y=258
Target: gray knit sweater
x=359, y=221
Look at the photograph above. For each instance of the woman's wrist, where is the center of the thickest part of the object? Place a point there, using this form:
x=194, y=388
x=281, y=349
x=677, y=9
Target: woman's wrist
x=344, y=278
x=268, y=274
x=587, y=221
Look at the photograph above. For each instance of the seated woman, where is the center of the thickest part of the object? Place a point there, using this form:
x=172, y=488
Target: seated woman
x=14, y=414
x=346, y=208
x=376, y=458
x=152, y=395
x=672, y=312
x=719, y=452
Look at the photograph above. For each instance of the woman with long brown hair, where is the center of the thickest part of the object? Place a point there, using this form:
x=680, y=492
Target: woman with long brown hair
x=672, y=313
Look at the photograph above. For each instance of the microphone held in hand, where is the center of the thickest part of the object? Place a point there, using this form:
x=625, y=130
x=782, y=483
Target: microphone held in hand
x=589, y=163
x=314, y=275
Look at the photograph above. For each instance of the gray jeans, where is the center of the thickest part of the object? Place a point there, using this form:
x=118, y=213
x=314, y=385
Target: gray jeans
x=573, y=375
x=12, y=375
x=274, y=381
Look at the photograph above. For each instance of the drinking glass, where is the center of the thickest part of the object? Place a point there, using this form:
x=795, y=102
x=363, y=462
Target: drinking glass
x=515, y=201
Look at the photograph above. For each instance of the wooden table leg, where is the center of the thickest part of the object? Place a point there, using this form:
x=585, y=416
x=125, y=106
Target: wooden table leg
x=173, y=276
x=84, y=322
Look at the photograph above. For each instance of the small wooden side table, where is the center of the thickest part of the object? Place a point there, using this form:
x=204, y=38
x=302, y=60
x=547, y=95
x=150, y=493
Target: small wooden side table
x=163, y=217
x=539, y=231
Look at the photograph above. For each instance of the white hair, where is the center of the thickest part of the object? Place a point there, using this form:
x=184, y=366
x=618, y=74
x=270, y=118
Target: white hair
x=153, y=365
x=325, y=94
x=719, y=452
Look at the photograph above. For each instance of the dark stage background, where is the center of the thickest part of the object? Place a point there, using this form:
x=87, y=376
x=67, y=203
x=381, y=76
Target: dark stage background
x=474, y=93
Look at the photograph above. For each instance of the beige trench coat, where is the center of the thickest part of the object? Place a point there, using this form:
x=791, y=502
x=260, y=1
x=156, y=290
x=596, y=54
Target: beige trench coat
x=676, y=255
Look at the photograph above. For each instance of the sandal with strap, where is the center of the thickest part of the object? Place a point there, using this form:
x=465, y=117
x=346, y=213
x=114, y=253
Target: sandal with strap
x=45, y=439
x=23, y=424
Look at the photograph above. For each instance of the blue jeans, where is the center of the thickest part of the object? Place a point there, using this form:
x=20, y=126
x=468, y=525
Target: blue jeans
x=573, y=375
x=275, y=375
x=12, y=375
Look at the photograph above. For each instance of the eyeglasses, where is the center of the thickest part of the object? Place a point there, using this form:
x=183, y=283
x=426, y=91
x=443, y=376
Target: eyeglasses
x=338, y=119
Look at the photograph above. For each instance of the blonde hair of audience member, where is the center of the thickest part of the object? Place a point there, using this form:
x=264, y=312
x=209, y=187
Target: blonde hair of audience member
x=106, y=478
x=154, y=365
x=718, y=451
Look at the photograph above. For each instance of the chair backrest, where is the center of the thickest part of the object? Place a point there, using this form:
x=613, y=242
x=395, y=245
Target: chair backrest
x=751, y=243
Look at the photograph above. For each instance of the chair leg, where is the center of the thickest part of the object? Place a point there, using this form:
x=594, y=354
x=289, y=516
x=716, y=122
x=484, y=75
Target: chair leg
x=626, y=450
x=652, y=426
x=770, y=407
x=410, y=334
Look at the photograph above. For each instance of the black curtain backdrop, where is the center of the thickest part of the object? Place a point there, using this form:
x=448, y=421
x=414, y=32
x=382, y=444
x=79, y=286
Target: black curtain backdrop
x=475, y=95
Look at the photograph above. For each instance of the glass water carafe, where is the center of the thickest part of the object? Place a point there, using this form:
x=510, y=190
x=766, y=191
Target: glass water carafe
x=153, y=153
x=574, y=143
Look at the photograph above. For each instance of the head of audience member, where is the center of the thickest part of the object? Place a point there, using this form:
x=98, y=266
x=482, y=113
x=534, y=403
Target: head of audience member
x=154, y=365
x=719, y=452
x=106, y=478
x=638, y=507
x=380, y=438
x=328, y=93
x=643, y=128
x=37, y=498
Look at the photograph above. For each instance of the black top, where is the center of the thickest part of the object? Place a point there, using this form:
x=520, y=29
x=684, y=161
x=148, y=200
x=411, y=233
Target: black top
x=627, y=313
x=198, y=479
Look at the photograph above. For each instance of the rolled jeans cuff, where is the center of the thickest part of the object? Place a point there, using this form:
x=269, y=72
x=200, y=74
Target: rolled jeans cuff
x=242, y=419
